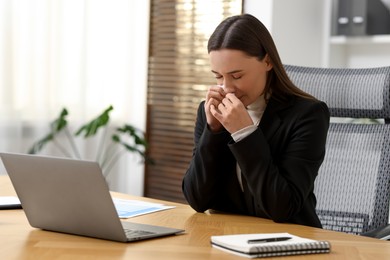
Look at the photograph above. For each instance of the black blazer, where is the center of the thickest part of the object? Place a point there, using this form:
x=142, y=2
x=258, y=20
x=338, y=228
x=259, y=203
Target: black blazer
x=279, y=163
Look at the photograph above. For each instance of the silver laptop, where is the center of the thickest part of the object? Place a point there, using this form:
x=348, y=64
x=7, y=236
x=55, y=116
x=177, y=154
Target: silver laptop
x=71, y=196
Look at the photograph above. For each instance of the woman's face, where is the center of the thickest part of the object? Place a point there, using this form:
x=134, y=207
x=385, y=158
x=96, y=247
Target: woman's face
x=238, y=73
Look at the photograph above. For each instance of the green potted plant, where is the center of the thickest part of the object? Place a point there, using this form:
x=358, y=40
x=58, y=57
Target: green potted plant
x=107, y=153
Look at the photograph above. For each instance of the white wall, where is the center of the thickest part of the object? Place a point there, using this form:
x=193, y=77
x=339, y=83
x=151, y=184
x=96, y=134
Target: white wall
x=302, y=32
x=299, y=31
x=299, y=28
x=261, y=9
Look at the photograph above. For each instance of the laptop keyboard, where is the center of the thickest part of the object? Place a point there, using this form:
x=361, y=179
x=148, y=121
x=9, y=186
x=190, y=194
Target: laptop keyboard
x=135, y=232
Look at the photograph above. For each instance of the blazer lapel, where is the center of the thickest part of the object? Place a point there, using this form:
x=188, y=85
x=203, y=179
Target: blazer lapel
x=271, y=119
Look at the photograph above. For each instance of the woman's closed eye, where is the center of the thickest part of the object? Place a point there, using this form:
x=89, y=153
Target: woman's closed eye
x=236, y=76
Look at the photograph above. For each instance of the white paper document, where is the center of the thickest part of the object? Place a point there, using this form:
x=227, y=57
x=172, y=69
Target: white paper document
x=132, y=208
x=8, y=202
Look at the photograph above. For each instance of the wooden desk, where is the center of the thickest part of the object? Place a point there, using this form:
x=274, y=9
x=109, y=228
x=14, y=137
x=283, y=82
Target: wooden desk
x=18, y=240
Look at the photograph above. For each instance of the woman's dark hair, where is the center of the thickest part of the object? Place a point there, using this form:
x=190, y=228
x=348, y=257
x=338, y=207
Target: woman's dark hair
x=246, y=33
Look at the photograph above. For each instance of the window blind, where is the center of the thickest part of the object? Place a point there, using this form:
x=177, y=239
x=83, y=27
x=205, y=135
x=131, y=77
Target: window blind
x=178, y=78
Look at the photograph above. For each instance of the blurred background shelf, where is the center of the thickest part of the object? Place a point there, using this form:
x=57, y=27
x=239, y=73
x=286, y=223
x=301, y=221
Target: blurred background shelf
x=372, y=39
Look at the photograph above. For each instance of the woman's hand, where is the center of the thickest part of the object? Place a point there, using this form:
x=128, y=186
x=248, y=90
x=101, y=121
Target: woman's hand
x=231, y=113
x=214, y=97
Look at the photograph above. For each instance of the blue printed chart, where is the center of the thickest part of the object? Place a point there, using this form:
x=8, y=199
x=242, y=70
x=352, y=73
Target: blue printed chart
x=132, y=208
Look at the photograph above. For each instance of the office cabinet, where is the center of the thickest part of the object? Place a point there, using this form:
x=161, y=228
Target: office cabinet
x=361, y=17
x=304, y=32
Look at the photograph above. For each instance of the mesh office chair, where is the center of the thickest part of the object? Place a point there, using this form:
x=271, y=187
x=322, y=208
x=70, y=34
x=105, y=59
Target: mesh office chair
x=353, y=184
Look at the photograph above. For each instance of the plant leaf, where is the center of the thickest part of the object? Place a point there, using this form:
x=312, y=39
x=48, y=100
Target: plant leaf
x=56, y=126
x=128, y=147
x=60, y=123
x=93, y=126
x=38, y=146
x=135, y=133
x=133, y=148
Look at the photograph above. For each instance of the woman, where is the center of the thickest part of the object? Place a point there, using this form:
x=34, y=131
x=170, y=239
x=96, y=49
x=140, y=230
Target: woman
x=259, y=139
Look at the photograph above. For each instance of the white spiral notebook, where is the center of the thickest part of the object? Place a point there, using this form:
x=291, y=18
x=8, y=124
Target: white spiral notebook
x=268, y=245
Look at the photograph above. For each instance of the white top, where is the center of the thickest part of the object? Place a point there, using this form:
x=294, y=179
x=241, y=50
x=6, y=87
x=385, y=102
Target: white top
x=255, y=111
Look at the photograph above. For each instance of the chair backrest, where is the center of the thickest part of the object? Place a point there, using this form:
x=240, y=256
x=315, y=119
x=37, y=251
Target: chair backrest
x=353, y=184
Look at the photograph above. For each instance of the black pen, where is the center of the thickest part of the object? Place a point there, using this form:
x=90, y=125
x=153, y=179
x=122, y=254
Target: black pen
x=267, y=240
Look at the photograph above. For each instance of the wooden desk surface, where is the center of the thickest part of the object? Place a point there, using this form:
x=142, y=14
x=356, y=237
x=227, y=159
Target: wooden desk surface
x=18, y=240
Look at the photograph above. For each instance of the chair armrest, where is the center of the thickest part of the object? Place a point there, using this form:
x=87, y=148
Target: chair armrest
x=382, y=233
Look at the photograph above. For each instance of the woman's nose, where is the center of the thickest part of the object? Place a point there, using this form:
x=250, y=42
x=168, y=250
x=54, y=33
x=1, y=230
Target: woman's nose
x=228, y=87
